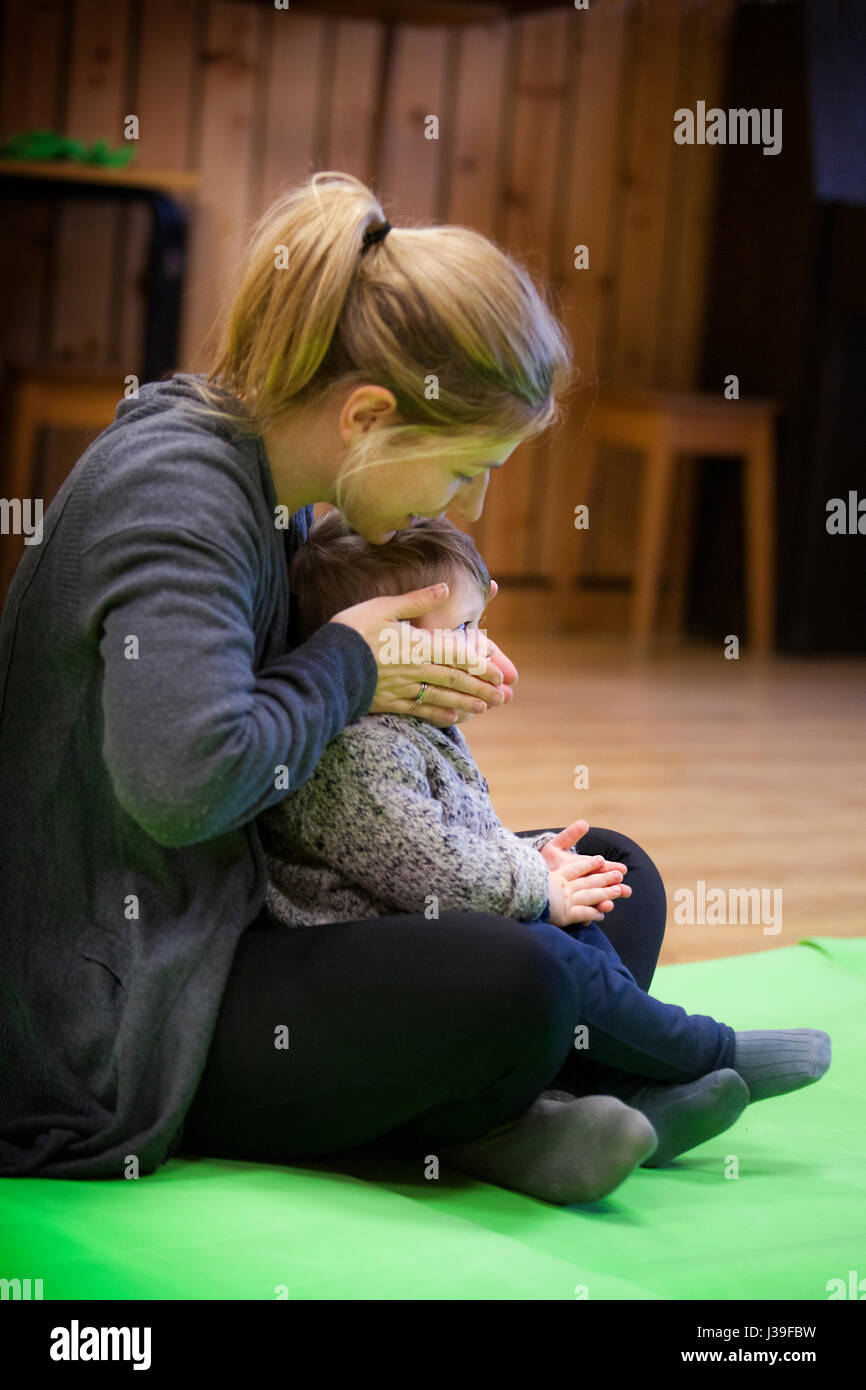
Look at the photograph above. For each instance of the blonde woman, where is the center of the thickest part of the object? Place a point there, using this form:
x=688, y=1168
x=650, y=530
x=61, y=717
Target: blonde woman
x=154, y=703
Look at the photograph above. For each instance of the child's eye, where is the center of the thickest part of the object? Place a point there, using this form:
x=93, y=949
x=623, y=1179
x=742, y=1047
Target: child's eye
x=464, y=477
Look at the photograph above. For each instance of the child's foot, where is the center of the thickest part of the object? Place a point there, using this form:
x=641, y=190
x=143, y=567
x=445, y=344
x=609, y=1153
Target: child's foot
x=573, y=1152
x=685, y=1115
x=691, y=1113
x=776, y=1061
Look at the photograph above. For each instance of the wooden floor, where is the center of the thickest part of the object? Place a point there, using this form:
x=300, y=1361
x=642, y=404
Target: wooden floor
x=739, y=774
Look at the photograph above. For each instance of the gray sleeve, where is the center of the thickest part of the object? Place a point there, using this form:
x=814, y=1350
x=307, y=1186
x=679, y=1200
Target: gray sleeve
x=375, y=819
x=193, y=730
x=539, y=841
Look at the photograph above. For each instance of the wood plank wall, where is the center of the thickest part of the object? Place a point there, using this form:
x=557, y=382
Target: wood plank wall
x=556, y=128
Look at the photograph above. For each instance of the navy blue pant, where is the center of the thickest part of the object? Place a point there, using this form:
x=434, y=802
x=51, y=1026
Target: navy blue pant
x=630, y=1036
x=411, y=1032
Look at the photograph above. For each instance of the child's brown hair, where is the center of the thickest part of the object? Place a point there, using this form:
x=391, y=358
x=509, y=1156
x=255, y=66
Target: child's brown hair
x=336, y=568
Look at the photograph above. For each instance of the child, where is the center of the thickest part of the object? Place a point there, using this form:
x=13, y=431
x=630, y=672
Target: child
x=397, y=818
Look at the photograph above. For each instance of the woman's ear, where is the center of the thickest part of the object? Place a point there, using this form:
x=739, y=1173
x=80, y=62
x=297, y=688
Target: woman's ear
x=494, y=589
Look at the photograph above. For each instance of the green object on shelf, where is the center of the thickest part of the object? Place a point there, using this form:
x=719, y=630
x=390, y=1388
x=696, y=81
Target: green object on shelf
x=50, y=145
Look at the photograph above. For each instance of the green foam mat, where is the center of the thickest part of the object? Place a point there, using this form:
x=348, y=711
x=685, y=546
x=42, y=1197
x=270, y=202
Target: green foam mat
x=369, y=1226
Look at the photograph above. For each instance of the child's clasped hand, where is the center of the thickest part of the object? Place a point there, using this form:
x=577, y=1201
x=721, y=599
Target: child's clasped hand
x=577, y=895
x=582, y=887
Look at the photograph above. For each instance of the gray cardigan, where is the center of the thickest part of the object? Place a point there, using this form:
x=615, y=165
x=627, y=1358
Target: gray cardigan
x=147, y=695
x=397, y=818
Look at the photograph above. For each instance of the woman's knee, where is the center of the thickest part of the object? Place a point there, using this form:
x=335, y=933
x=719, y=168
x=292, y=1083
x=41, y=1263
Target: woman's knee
x=616, y=845
x=522, y=985
x=620, y=848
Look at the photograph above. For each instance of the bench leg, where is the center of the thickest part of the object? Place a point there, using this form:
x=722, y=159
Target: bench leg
x=680, y=544
x=760, y=527
x=655, y=508
x=573, y=478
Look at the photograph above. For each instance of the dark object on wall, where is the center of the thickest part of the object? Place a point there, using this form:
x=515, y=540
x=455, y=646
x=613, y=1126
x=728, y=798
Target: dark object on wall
x=836, y=55
x=166, y=255
x=787, y=313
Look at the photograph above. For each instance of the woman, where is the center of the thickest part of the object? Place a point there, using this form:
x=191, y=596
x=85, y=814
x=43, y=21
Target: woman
x=153, y=706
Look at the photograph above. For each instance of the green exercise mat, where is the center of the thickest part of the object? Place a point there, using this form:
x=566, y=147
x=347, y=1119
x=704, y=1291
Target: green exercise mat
x=369, y=1226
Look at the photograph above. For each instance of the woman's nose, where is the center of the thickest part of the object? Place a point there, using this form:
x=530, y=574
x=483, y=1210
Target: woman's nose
x=470, y=499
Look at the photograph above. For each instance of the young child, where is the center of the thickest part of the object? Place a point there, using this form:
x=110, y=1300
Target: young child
x=397, y=818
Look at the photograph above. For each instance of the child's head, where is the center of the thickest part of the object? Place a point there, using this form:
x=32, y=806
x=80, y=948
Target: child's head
x=337, y=568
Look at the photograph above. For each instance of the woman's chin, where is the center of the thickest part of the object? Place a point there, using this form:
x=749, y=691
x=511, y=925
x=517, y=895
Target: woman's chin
x=376, y=537
x=372, y=534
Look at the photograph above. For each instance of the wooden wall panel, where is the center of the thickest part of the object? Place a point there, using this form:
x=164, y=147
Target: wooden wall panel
x=534, y=112
x=164, y=83
x=633, y=67
x=293, y=101
x=359, y=54
x=88, y=272
x=592, y=184
x=650, y=154
x=556, y=128
x=594, y=136
x=410, y=164
x=32, y=65
x=475, y=186
x=32, y=54
x=223, y=206
x=475, y=189
x=163, y=62
x=705, y=37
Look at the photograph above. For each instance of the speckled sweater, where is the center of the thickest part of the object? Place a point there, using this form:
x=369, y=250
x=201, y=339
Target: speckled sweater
x=397, y=817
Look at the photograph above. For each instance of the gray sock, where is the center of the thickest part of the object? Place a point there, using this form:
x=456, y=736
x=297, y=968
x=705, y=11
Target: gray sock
x=574, y=1152
x=776, y=1061
x=686, y=1115
x=683, y=1115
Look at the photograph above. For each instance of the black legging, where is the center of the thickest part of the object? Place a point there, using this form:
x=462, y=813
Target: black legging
x=410, y=1032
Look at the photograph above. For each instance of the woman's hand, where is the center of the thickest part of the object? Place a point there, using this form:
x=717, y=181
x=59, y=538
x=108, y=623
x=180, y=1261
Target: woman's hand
x=578, y=898
x=472, y=684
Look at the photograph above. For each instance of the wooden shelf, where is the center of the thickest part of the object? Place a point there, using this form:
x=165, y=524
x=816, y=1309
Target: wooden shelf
x=67, y=171
x=436, y=12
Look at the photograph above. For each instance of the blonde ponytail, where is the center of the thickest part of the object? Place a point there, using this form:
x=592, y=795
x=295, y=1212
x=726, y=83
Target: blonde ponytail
x=441, y=316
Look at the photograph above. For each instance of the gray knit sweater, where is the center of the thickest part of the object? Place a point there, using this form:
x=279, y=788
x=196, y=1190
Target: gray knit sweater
x=397, y=818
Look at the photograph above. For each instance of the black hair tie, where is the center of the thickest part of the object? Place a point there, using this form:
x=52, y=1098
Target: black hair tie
x=370, y=238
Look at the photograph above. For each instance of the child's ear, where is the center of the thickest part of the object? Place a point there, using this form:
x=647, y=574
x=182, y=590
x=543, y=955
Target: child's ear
x=494, y=589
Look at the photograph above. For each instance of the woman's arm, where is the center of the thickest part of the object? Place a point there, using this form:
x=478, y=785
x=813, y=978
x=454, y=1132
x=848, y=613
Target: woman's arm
x=195, y=732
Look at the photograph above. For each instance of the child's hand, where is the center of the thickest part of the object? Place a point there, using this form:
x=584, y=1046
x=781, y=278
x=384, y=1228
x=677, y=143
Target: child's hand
x=575, y=897
x=556, y=853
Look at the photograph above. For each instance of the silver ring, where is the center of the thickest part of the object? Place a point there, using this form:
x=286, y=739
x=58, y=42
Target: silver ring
x=421, y=693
